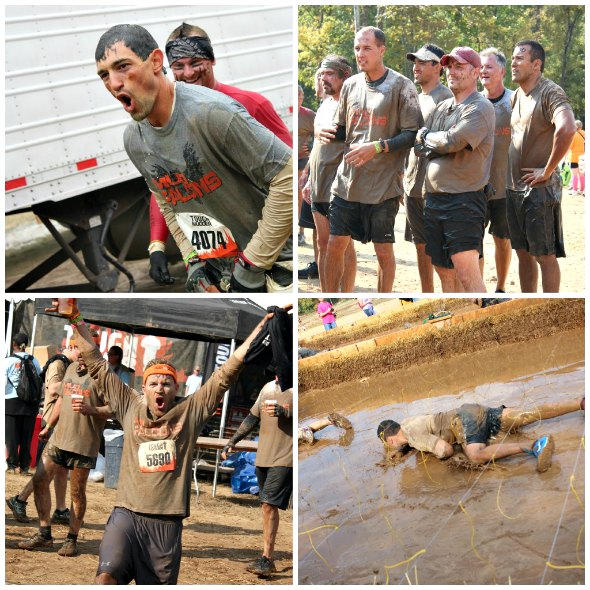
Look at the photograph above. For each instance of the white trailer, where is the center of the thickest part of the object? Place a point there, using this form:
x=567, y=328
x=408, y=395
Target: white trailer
x=64, y=152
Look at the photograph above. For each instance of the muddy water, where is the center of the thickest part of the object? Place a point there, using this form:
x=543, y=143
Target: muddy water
x=449, y=526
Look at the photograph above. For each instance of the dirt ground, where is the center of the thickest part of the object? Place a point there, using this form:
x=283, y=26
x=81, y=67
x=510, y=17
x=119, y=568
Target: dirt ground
x=221, y=536
x=423, y=521
x=408, y=281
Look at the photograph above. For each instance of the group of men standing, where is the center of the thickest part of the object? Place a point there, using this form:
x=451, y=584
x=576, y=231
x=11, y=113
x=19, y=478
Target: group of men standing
x=457, y=158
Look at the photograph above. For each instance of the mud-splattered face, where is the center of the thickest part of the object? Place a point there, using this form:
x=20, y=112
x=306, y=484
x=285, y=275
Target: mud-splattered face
x=194, y=70
x=461, y=76
x=130, y=80
x=522, y=65
x=368, y=53
x=425, y=71
x=160, y=391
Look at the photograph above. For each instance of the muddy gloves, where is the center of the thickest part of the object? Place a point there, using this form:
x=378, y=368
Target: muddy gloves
x=203, y=278
x=159, y=268
x=247, y=278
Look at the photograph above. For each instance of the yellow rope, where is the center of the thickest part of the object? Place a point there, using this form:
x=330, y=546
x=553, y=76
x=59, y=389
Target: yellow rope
x=572, y=477
x=317, y=528
x=426, y=468
x=498, y=504
x=578, y=545
x=390, y=567
x=319, y=554
x=565, y=567
x=472, y=532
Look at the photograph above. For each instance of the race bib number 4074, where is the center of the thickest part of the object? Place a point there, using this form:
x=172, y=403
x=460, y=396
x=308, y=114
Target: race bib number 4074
x=158, y=455
x=209, y=237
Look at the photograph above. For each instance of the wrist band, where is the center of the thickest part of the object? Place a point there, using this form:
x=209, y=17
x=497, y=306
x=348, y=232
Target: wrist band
x=156, y=246
x=190, y=258
x=77, y=320
x=382, y=143
x=377, y=146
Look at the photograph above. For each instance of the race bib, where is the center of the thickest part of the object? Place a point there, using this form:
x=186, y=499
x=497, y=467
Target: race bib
x=209, y=238
x=158, y=455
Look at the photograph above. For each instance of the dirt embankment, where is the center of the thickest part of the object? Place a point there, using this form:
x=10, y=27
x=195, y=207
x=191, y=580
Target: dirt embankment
x=544, y=318
x=220, y=537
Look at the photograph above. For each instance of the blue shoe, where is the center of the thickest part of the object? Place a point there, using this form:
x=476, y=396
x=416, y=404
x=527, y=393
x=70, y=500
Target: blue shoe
x=543, y=451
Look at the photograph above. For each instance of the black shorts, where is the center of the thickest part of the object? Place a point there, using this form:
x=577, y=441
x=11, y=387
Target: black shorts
x=302, y=163
x=453, y=223
x=364, y=222
x=534, y=220
x=479, y=423
x=68, y=459
x=414, y=220
x=141, y=547
x=496, y=218
x=276, y=485
x=305, y=216
x=321, y=208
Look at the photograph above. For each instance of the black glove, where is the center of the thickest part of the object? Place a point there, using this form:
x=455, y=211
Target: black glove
x=159, y=268
x=247, y=278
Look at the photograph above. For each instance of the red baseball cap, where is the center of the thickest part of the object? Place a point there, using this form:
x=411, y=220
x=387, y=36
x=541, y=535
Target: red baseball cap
x=464, y=55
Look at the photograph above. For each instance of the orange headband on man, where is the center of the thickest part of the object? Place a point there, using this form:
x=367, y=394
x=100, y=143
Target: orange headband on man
x=160, y=370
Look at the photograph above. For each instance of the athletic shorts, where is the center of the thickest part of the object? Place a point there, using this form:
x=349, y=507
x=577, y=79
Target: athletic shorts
x=414, y=220
x=534, y=220
x=364, y=222
x=496, y=218
x=453, y=223
x=305, y=216
x=322, y=208
x=276, y=485
x=68, y=459
x=477, y=423
x=141, y=547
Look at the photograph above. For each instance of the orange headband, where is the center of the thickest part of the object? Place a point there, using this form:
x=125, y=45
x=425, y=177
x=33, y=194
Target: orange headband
x=95, y=338
x=160, y=370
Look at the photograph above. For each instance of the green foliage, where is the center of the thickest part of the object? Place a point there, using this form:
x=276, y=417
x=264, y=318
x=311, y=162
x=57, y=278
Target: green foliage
x=560, y=29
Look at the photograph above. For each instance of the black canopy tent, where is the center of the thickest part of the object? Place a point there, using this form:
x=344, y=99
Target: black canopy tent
x=208, y=320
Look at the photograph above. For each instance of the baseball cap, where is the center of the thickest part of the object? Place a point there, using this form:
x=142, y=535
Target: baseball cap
x=464, y=55
x=423, y=54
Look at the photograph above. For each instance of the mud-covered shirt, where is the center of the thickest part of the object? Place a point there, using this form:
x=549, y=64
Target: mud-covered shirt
x=465, y=165
x=499, y=170
x=305, y=119
x=416, y=167
x=55, y=374
x=74, y=431
x=423, y=432
x=370, y=114
x=324, y=158
x=533, y=128
x=210, y=168
x=155, y=474
x=275, y=444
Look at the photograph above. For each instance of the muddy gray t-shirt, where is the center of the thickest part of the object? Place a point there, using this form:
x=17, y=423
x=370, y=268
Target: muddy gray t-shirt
x=499, y=170
x=423, y=432
x=370, y=114
x=156, y=466
x=416, y=167
x=533, y=128
x=211, y=166
x=470, y=130
x=324, y=158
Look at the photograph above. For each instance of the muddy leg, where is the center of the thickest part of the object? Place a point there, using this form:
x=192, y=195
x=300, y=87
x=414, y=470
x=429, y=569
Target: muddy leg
x=514, y=418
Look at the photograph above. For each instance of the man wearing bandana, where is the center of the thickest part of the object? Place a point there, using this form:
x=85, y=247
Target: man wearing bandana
x=191, y=59
x=222, y=181
x=80, y=414
x=143, y=537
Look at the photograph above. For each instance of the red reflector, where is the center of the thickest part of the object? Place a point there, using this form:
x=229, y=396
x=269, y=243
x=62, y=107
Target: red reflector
x=10, y=185
x=85, y=164
x=291, y=109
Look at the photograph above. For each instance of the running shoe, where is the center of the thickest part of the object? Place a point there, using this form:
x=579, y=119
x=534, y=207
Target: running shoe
x=19, y=509
x=301, y=240
x=340, y=421
x=61, y=517
x=543, y=451
x=69, y=548
x=262, y=566
x=36, y=542
x=305, y=435
x=309, y=272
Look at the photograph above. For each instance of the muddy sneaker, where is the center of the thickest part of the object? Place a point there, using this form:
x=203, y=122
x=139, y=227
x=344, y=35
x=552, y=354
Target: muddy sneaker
x=19, y=509
x=69, y=548
x=305, y=435
x=543, y=450
x=60, y=517
x=262, y=567
x=340, y=421
x=36, y=542
x=309, y=272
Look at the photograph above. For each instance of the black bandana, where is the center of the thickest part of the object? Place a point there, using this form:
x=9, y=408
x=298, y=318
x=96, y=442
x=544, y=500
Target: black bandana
x=199, y=47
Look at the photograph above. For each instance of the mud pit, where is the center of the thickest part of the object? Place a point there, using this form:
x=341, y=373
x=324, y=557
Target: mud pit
x=425, y=522
x=221, y=536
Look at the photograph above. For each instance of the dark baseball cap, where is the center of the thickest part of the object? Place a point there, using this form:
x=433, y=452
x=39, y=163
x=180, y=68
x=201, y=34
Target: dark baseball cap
x=464, y=55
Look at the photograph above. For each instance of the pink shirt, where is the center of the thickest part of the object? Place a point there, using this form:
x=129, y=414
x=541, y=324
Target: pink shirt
x=324, y=306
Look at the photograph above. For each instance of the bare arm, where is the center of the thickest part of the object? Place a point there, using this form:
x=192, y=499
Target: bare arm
x=443, y=450
x=53, y=419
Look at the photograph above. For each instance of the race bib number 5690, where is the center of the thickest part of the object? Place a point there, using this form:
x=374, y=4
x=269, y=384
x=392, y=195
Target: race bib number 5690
x=158, y=455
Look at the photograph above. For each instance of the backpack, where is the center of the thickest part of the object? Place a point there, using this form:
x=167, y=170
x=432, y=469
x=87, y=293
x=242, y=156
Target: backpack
x=29, y=386
x=56, y=357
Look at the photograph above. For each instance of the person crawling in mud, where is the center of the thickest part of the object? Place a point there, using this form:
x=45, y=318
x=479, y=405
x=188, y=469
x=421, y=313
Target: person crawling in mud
x=306, y=434
x=472, y=426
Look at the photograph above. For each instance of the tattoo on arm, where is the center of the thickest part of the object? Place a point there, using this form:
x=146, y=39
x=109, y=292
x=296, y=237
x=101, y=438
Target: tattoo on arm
x=246, y=427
